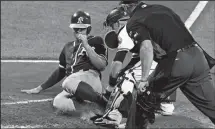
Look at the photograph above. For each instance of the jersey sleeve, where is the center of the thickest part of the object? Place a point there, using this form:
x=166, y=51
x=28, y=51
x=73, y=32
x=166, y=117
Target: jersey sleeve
x=100, y=48
x=120, y=56
x=62, y=59
x=140, y=34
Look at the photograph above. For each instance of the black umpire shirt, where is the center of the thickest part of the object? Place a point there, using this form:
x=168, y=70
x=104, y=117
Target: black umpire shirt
x=163, y=27
x=160, y=25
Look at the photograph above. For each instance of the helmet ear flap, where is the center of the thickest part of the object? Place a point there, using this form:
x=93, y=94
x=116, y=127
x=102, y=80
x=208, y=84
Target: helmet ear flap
x=89, y=29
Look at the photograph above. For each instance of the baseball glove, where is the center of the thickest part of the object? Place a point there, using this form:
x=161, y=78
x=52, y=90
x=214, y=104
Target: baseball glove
x=111, y=39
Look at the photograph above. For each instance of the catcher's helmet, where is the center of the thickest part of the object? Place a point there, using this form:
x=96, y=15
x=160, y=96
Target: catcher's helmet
x=114, y=16
x=128, y=1
x=81, y=19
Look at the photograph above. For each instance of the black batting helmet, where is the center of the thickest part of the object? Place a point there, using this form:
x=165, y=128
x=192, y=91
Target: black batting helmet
x=81, y=19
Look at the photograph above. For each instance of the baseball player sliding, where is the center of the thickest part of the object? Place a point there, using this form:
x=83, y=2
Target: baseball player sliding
x=81, y=62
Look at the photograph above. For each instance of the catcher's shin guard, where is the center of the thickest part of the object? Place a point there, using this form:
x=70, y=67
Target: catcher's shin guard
x=125, y=86
x=106, y=119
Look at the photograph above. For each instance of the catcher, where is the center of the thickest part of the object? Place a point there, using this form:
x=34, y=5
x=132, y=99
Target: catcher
x=81, y=62
x=167, y=105
x=156, y=32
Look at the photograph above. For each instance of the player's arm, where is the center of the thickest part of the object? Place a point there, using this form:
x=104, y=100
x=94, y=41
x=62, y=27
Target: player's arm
x=58, y=74
x=142, y=37
x=98, y=57
x=146, y=58
x=116, y=66
x=55, y=77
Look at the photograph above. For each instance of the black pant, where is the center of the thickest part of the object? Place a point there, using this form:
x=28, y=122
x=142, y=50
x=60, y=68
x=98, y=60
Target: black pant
x=172, y=97
x=190, y=73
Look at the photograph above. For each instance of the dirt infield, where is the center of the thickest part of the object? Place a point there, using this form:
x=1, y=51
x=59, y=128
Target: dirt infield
x=41, y=114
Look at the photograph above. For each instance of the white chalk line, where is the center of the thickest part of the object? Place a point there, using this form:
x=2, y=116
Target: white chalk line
x=27, y=101
x=195, y=14
x=21, y=126
x=29, y=61
x=188, y=23
x=26, y=126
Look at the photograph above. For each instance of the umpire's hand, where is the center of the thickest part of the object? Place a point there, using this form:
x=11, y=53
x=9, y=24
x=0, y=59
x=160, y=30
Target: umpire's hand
x=142, y=86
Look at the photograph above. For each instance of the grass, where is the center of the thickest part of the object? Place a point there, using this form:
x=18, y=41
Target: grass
x=39, y=29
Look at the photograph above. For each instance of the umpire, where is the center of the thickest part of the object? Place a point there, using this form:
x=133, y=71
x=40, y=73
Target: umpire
x=158, y=33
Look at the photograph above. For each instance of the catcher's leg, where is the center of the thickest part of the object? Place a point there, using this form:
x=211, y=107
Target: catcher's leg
x=63, y=103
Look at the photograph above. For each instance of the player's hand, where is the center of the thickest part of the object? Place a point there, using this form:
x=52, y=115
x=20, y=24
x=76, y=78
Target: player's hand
x=82, y=37
x=118, y=101
x=142, y=86
x=33, y=91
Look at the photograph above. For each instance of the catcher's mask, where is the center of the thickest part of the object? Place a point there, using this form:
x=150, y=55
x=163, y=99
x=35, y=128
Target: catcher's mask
x=129, y=1
x=116, y=15
x=81, y=20
x=120, y=40
x=120, y=12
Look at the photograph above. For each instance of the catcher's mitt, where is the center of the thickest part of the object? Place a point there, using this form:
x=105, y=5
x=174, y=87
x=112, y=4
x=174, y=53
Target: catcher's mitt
x=111, y=39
